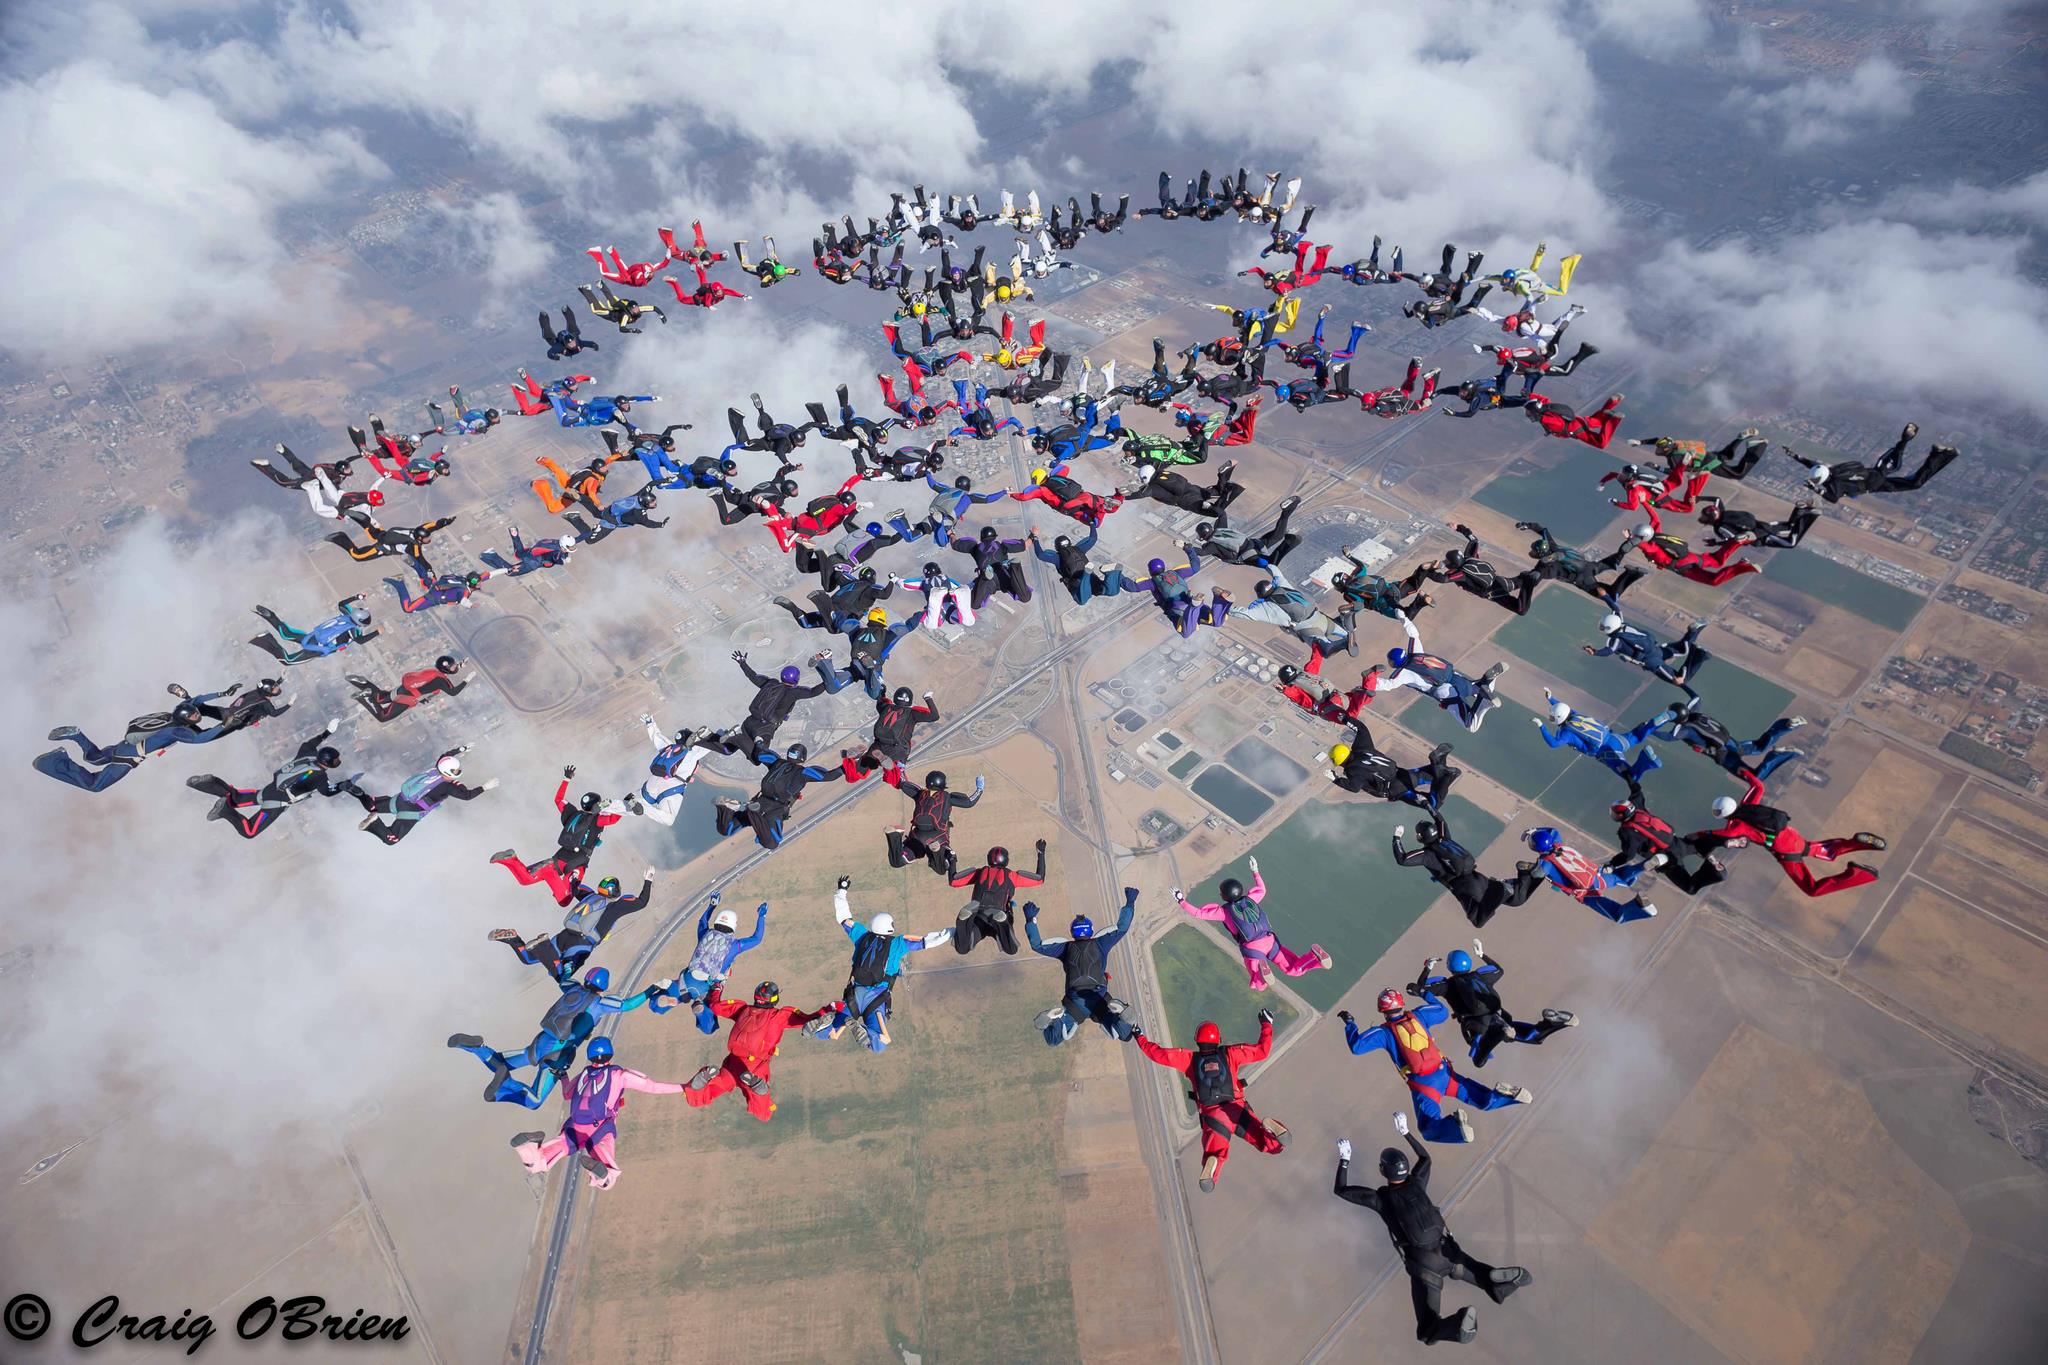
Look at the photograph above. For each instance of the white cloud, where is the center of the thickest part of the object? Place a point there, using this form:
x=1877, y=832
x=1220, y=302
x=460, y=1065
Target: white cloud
x=507, y=249
x=1822, y=110
x=136, y=216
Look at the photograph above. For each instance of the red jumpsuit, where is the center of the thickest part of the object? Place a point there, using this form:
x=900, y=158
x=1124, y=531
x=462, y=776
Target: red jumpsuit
x=699, y=253
x=1302, y=276
x=636, y=276
x=1710, y=567
x=1596, y=429
x=558, y=874
x=1635, y=497
x=1221, y=1122
x=1326, y=701
x=709, y=292
x=820, y=516
x=751, y=1046
x=1771, y=828
x=530, y=398
x=1062, y=494
x=1238, y=430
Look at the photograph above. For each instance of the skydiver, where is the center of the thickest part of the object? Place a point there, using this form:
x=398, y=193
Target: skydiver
x=670, y=771
x=1218, y=1091
x=1771, y=829
x=1175, y=490
x=306, y=773
x=1244, y=918
x=1306, y=688
x=774, y=699
x=1428, y=1251
x=1403, y=1035
x=946, y=599
x=699, y=251
x=1852, y=478
x=1366, y=591
x=1070, y=562
x=634, y=509
x=782, y=786
x=709, y=293
x=1675, y=663
x=583, y=826
x=1688, y=724
x=548, y=553
x=439, y=590
x=616, y=270
x=1730, y=526
x=716, y=946
x=1566, y=565
x=1451, y=866
x=769, y=270
x=568, y=1022
x=1596, y=428
x=408, y=542
x=1479, y=577
x=594, y=911
x=1601, y=741
x=100, y=767
x=897, y=717
x=930, y=833
x=468, y=421
x=567, y=342
x=532, y=398
x=590, y=1128
x=1065, y=495
x=1233, y=545
x=321, y=483
x=878, y=953
x=1278, y=602
x=622, y=313
x=1368, y=271
x=994, y=567
x=991, y=911
x=1712, y=567
x=1362, y=767
x=870, y=640
x=1184, y=608
x=289, y=645
x=1474, y=1000
x=420, y=685
x=756, y=1036
x=1692, y=458
x=1399, y=402
x=393, y=817
x=1649, y=840
x=1084, y=959
x=1587, y=882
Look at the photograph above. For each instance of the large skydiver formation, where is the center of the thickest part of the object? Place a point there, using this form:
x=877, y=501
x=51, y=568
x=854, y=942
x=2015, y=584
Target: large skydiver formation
x=835, y=535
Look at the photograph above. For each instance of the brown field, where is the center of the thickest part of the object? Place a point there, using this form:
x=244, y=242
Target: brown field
x=1720, y=1217
x=1986, y=867
x=1814, y=671
x=1953, y=963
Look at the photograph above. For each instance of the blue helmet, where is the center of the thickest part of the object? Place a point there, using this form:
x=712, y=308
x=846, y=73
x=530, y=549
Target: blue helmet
x=1543, y=838
x=1083, y=927
x=600, y=1050
x=1397, y=656
x=598, y=979
x=792, y=675
x=1459, y=960
x=1155, y=567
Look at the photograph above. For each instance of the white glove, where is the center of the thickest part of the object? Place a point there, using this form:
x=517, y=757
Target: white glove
x=1343, y=1149
x=333, y=724
x=1253, y=863
x=1178, y=896
x=1401, y=1124
x=1400, y=830
x=649, y=875
x=1536, y=720
x=1477, y=949
x=646, y=719
x=491, y=784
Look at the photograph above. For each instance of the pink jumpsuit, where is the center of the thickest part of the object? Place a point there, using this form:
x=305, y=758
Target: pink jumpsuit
x=595, y=1098
x=1261, y=948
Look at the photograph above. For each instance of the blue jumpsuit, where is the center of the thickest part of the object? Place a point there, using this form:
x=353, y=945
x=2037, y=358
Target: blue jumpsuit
x=1436, y=1089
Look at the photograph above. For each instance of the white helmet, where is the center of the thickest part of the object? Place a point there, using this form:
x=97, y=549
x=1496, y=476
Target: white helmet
x=1643, y=531
x=1610, y=623
x=1560, y=712
x=1818, y=476
x=884, y=923
x=1724, y=806
x=449, y=766
x=724, y=920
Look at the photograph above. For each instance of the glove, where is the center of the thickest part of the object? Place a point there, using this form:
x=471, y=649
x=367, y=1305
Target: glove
x=333, y=724
x=1178, y=896
x=1137, y=1030
x=1343, y=1149
x=1041, y=845
x=1400, y=830
x=569, y=770
x=1401, y=1124
x=978, y=784
x=1536, y=721
x=646, y=719
x=491, y=784
x=1253, y=863
x=1265, y=1016
x=1345, y=1015
x=648, y=876
x=845, y=882
x=1477, y=950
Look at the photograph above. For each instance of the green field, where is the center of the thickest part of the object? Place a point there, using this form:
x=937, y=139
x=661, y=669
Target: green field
x=1507, y=748
x=1559, y=621
x=1564, y=497
x=1201, y=979
x=1837, y=585
x=1330, y=880
x=1734, y=696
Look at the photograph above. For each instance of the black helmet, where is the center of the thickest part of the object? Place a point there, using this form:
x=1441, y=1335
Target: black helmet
x=767, y=993
x=866, y=574
x=1425, y=830
x=1062, y=542
x=796, y=753
x=1205, y=529
x=936, y=780
x=903, y=696
x=447, y=663
x=590, y=801
x=271, y=686
x=999, y=856
x=1394, y=1165
x=988, y=533
x=328, y=756
x=932, y=570
x=1262, y=587
x=1232, y=889
x=937, y=461
x=1454, y=558
x=1288, y=673
x=963, y=483
x=849, y=498
x=728, y=467
x=185, y=712
x=1710, y=509
x=787, y=487
x=442, y=467
x=645, y=497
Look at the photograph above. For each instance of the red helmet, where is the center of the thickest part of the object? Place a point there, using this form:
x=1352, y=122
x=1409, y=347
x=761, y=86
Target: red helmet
x=1208, y=1035
x=1392, y=1002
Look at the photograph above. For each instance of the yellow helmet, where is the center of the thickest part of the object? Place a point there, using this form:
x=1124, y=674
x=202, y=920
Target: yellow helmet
x=917, y=309
x=1004, y=357
x=1002, y=291
x=1338, y=753
x=1038, y=476
x=878, y=617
